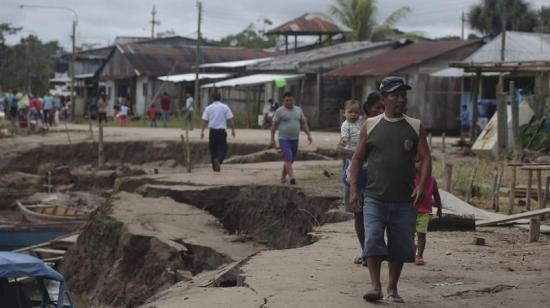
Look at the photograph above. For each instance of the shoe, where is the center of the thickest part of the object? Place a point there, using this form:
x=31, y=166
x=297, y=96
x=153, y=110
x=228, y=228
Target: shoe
x=358, y=260
x=216, y=165
x=419, y=261
x=292, y=181
x=283, y=180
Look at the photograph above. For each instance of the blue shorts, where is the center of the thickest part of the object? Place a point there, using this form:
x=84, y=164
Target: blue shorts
x=399, y=221
x=189, y=116
x=289, y=149
x=362, y=181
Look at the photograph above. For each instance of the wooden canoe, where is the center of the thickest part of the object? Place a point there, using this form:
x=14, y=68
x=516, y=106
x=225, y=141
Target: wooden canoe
x=43, y=213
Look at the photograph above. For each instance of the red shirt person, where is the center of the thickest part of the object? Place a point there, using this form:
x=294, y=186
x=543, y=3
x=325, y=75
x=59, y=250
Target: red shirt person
x=165, y=102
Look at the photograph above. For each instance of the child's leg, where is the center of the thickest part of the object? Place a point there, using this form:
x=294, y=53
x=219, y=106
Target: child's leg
x=420, y=245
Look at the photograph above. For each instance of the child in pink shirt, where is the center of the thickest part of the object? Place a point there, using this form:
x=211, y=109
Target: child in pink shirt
x=423, y=213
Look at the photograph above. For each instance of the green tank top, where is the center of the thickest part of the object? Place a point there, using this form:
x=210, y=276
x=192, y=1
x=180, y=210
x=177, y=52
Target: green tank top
x=391, y=151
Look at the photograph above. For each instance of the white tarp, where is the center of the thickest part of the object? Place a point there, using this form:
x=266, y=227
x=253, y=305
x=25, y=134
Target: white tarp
x=252, y=80
x=487, y=142
x=234, y=64
x=191, y=77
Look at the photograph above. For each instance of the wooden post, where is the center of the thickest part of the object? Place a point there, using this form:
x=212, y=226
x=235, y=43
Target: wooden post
x=494, y=195
x=471, y=185
x=547, y=191
x=475, y=111
x=502, y=119
x=512, y=194
x=539, y=189
x=515, y=121
x=318, y=90
x=100, y=150
x=534, y=230
x=443, y=142
x=430, y=140
x=448, y=175
x=528, y=194
x=497, y=191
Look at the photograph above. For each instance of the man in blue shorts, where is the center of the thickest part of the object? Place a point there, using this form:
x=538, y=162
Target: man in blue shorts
x=289, y=119
x=390, y=143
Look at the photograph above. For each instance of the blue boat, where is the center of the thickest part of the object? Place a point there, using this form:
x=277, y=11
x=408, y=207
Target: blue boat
x=14, y=266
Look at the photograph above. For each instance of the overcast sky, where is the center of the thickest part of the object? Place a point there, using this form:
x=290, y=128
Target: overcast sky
x=100, y=21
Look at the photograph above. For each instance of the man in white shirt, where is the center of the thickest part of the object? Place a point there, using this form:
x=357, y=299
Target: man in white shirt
x=216, y=116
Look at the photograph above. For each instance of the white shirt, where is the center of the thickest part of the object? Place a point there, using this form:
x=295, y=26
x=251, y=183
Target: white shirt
x=217, y=115
x=189, y=103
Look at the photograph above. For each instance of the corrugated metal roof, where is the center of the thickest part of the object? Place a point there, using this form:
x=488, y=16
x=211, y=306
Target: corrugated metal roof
x=307, y=24
x=251, y=80
x=157, y=60
x=191, y=77
x=520, y=46
x=295, y=60
x=399, y=58
x=234, y=64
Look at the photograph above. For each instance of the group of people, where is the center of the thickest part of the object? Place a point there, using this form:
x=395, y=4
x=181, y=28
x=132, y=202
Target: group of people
x=165, y=109
x=387, y=183
x=34, y=112
x=122, y=110
x=387, y=174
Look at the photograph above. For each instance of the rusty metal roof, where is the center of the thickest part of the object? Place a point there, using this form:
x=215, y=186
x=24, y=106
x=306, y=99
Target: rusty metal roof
x=400, y=58
x=307, y=24
x=157, y=60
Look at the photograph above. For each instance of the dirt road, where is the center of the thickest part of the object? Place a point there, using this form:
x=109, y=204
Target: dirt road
x=155, y=222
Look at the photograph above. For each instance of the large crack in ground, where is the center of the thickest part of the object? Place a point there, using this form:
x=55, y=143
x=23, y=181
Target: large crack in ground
x=114, y=260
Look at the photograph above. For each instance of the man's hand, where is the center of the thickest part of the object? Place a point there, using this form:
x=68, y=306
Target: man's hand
x=309, y=139
x=439, y=214
x=354, y=201
x=418, y=194
x=233, y=133
x=202, y=135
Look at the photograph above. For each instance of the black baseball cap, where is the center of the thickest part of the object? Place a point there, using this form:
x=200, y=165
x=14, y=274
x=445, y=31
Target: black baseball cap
x=393, y=83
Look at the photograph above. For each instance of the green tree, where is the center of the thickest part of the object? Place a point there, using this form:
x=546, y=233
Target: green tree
x=486, y=17
x=250, y=37
x=360, y=17
x=544, y=20
x=28, y=65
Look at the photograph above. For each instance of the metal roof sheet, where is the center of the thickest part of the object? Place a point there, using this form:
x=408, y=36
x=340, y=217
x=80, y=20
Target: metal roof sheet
x=520, y=46
x=251, y=80
x=234, y=64
x=157, y=60
x=307, y=24
x=191, y=77
x=295, y=60
x=398, y=59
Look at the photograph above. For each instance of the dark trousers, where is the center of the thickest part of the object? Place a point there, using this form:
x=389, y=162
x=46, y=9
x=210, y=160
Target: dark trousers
x=217, y=141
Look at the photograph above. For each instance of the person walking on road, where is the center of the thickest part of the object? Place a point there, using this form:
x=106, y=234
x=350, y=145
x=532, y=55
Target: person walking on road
x=390, y=144
x=188, y=109
x=165, y=103
x=289, y=120
x=216, y=116
x=102, y=106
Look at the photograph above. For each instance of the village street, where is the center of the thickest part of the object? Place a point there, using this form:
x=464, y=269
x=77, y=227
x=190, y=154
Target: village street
x=260, y=266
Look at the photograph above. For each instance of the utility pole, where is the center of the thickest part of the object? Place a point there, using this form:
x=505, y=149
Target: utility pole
x=502, y=112
x=73, y=57
x=153, y=22
x=198, y=55
x=462, y=20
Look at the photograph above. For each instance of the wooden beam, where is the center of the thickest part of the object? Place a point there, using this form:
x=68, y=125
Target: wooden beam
x=514, y=217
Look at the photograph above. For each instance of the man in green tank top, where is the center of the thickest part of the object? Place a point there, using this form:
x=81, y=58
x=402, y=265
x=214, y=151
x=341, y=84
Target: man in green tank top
x=390, y=143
